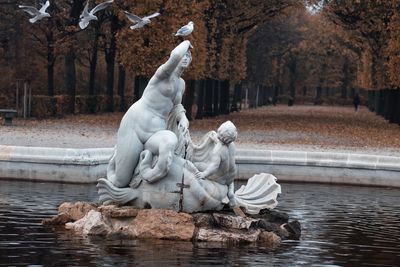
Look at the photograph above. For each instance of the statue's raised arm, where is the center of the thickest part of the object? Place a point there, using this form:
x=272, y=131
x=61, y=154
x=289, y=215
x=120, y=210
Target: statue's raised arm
x=175, y=60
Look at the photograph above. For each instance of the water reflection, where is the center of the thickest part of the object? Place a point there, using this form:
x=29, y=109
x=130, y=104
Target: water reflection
x=342, y=225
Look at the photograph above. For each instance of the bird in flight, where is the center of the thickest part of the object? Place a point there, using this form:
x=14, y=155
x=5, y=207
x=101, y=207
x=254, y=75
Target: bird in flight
x=36, y=14
x=185, y=30
x=139, y=22
x=87, y=15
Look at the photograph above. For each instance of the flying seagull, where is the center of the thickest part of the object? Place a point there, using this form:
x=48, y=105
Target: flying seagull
x=87, y=16
x=36, y=14
x=185, y=30
x=139, y=22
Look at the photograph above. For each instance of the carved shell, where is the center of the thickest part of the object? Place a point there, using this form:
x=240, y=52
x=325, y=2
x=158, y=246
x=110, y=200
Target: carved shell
x=260, y=192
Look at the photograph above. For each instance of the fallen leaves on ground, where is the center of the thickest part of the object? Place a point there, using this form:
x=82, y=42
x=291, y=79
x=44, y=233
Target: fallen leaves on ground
x=318, y=126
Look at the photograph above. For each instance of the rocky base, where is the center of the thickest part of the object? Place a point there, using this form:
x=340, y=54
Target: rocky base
x=268, y=228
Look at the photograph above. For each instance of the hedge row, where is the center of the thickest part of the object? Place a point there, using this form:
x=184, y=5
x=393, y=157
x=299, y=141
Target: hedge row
x=59, y=105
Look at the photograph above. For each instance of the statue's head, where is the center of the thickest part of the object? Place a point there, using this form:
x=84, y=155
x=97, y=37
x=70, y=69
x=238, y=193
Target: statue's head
x=227, y=132
x=186, y=60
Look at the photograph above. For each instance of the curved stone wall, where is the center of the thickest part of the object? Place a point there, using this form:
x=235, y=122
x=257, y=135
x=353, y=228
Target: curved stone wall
x=88, y=165
x=54, y=164
x=323, y=167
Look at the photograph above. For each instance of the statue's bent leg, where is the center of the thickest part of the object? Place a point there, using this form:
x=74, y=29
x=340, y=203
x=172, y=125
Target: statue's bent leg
x=111, y=166
x=127, y=154
x=163, y=144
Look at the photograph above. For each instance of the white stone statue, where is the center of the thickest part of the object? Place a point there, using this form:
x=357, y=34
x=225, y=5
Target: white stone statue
x=214, y=158
x=156, y=165
x=145, y=123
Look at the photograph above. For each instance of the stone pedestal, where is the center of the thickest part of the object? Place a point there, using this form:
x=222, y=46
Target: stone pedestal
x=127, y=222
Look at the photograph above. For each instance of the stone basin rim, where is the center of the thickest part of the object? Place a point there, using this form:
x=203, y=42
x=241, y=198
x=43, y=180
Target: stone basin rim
x=64, y=164
x=96, y=156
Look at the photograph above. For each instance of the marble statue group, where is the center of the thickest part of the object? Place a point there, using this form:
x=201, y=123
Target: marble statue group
x=155, y=163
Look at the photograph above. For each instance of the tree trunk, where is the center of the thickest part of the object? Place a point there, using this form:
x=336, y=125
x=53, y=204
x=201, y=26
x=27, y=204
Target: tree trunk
x=386, y=104
x=121, y=87
x=327, y=91
x=208, y=98
x=275, y=95
x=224, y=92
x=249, y=102
x=391, y=105
x=69, y=60
x=110, y=53
x=200, y=99
x=265, y=95
x=50, y=73
x=237, y=94
x=304, y=90
x=110, y=81
x=188, y=98
x=371, y=100
x=93, y=62
x=317, y=100
x=70, y=77
x=136, y=89
x=50, y=79
x=292, y=83
x=216, y=97
x=50, y=64
x=379, y=102
x=345, y=79
x=140, y=85
x=257, y=96
x=398, y=107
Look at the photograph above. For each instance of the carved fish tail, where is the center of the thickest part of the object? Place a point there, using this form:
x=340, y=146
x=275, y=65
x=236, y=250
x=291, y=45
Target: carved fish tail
x=108, y=193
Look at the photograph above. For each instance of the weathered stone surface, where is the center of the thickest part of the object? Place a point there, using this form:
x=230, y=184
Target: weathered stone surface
x=294, y=229
x=91, y=224
x=127, y=223
x=269, y=239
x=59, y=219
x=203, y=219
x=122, y=227
x=234, y=222
x=76, y=210
x=273, y=227
x=113, y=211
x=225, y=236
x=273, y=216
x=163, y=224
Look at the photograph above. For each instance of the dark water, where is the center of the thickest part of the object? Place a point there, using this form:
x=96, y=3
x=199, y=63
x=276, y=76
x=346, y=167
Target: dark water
x=342, y=225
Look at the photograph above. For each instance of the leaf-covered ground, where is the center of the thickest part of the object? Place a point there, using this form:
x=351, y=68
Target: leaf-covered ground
x=279, y=127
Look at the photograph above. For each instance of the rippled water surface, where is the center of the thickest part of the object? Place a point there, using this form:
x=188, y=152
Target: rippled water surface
x=342, y=225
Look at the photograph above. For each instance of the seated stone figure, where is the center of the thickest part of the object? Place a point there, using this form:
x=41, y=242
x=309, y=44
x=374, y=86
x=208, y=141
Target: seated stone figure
x=214, y=158
x=149, y=115
x=202, y=182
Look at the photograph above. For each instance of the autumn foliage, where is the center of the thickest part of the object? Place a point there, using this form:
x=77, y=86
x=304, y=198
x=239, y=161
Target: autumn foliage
x=269, y=48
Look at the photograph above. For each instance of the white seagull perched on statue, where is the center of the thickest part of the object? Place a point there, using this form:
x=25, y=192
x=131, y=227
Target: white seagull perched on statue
x=36, y=14
x=87, y=16
x=185, y=30
x=139, y=22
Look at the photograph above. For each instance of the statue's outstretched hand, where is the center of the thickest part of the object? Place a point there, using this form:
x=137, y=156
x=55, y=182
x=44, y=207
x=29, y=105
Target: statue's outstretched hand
x=183, y=125
x=200, y=175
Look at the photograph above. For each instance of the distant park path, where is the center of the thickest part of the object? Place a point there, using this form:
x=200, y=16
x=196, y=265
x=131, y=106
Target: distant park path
x=308, y=128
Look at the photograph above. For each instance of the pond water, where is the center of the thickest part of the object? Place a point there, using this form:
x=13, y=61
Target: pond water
x=342, y=226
